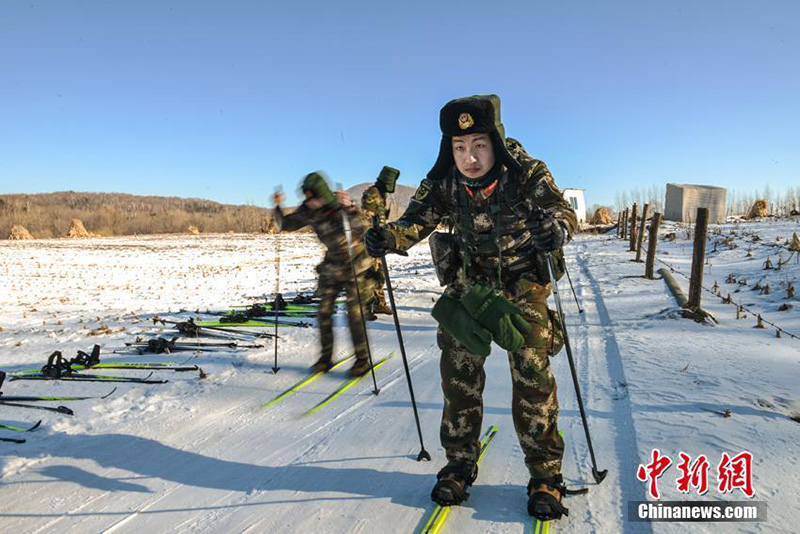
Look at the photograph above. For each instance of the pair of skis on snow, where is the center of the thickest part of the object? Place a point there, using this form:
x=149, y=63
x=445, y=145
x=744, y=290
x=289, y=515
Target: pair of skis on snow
x=59, y=368
x=17, y=400
x=435, y=519
x=345, y=386
x=20, y=401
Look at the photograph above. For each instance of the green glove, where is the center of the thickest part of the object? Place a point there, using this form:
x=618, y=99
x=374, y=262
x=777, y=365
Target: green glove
x=450, y=313
x=498, y=315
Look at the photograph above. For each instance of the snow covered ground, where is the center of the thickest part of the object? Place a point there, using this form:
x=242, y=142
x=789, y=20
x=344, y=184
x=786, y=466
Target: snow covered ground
x=198, y=455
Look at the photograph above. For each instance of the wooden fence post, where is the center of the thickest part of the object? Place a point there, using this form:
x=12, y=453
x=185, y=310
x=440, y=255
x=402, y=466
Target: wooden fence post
x=625, y=224
x=632, y=247
x=652, y=244
x=641, y=233
x=700, y=235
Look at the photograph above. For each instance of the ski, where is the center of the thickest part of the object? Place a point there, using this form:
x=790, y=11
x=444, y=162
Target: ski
x=165, y=366
x=439, y=514
x=541, y=527
x=264, y=312
x=44, y=398
x=12, y=440
x=293, y=304
x=344, y=387
x=58, y=367
x=160, y=345
x=234, y=321
x=89, y=378
x=261, y=311
x=193, y=330
x=303, y=383
x=58, y=409
x=170, y=343
x=15, y=428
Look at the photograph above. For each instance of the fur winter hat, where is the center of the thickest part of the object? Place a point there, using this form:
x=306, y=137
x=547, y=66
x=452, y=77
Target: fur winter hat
x=470, y=115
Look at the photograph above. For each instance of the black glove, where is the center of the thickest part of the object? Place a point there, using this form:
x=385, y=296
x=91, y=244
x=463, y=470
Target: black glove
x=379, y=242
x=547, y=233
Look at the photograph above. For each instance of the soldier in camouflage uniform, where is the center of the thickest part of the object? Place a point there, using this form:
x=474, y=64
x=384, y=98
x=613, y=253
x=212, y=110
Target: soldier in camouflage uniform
x=506, y=214
x=322, y=210
x=374, y=204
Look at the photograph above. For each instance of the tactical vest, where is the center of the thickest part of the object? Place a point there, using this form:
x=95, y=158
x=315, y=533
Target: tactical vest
x=495, y=244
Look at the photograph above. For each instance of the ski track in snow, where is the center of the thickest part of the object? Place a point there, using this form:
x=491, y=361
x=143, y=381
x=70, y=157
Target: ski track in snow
x=601, y=355
x=200, y=456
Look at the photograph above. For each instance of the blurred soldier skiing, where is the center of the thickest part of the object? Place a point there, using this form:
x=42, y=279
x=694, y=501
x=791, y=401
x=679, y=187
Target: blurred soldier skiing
x=322, y=210
x=506, y=214
x=375, y=203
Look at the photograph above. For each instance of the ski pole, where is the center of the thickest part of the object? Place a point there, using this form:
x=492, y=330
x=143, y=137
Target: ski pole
x=575, y=295
x=275, y=367
x=423, y=454
x=596, y=473
x=348, y=235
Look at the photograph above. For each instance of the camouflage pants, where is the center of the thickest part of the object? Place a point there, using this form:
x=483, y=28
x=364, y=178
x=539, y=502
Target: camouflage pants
x=331, y=283
x=379, y=296
x=534, y=405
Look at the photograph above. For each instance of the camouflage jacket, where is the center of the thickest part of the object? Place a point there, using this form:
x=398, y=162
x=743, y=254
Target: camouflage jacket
x=329, y=227
x=373, y=203
x=494, y=243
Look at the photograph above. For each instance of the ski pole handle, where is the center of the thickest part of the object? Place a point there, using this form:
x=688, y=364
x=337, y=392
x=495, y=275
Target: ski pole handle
x=376, y=225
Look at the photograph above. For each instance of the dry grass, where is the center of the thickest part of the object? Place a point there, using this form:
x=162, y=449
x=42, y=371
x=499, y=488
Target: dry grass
x=49, y=215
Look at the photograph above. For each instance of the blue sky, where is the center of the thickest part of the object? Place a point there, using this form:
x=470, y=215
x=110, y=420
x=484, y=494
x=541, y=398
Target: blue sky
x=225, y=100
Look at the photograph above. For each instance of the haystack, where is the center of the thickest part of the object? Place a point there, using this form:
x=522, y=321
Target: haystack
x=760, y=209
x=193, y=230
x=76, y=229
x=19, y=232
x=269, y=225
x=794, y=246
x=602, y=216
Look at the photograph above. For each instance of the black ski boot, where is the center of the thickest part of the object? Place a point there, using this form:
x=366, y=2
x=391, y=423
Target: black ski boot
x=452, y=483
x=322, y=366
x=279, y=303
x=360, y=368
x=382, y=308
x=544, y=498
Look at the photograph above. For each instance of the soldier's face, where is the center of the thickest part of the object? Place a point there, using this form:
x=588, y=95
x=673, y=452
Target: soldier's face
x=315, y=203
x=474, y=154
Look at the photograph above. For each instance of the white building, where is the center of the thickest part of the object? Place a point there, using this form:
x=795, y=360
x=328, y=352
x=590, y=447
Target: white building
x=682, y=201
x=578, y=203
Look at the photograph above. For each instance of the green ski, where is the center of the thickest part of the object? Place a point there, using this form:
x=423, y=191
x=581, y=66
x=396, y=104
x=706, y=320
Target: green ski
x=437, y=516
x=88, y=378
x=303, y=383
x=15, y=428
x=345, y=387
x=539, y=526
x=251, y=323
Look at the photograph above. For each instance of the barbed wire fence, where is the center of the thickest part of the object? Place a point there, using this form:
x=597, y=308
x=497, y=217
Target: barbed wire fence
x=714, y=291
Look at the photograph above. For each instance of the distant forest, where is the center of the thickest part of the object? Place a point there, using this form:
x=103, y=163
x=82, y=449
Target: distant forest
x=49, y=215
